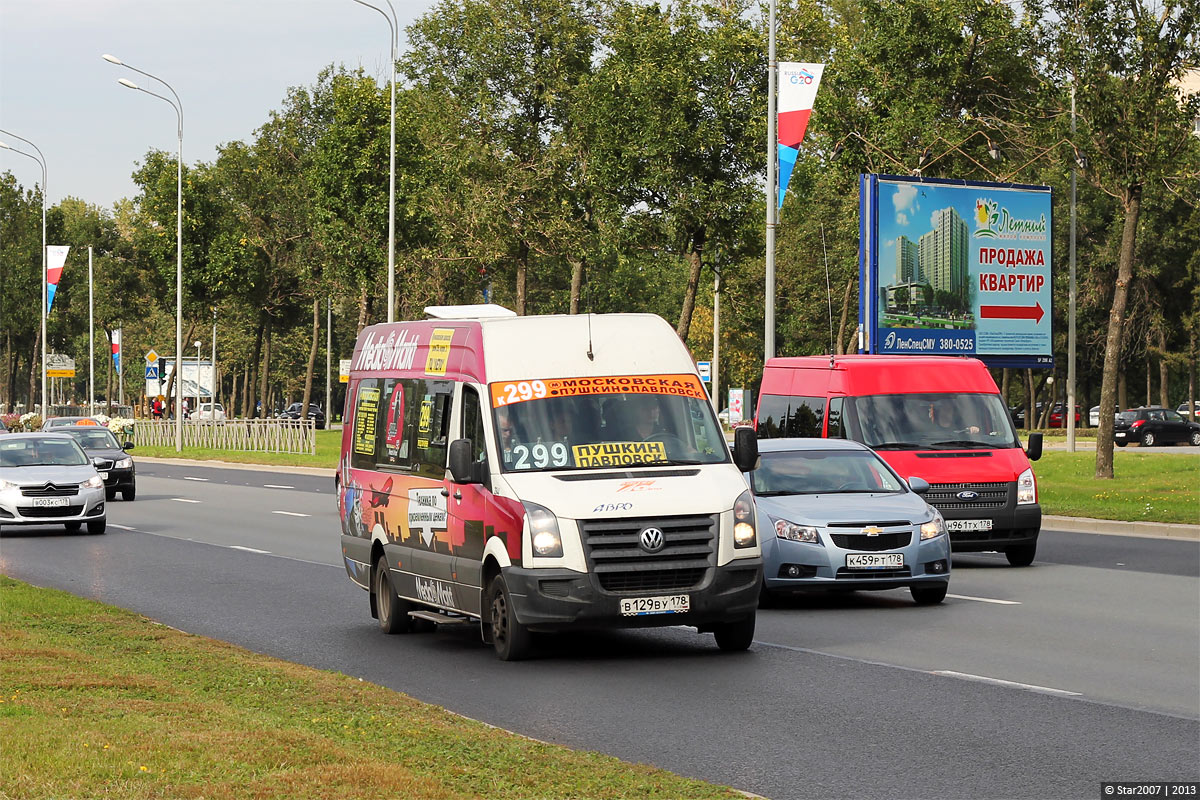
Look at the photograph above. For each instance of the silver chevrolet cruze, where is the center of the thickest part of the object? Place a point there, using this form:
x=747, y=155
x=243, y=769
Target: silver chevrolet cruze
x=45, y=479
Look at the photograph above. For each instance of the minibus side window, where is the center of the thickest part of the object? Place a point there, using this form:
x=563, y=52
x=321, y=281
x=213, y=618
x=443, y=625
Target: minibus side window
x=433, y=427
x=472, y=426
x=367, y=424
x=790, y=415
x=837, y=429
x=396, y=430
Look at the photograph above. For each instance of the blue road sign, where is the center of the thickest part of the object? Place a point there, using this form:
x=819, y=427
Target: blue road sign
x=152, y=372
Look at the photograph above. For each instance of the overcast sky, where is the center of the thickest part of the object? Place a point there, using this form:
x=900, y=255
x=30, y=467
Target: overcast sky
x=230, y=61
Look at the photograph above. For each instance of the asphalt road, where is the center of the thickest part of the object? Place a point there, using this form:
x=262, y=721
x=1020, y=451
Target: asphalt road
x=1038, y=682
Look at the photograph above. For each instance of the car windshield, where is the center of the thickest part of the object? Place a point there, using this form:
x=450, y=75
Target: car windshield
x=934, y=421
x=99, y=439
x=822, y=472
x=599, y=423
x=41, y=452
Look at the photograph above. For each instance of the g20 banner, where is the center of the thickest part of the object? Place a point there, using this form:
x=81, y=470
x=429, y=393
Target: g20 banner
x=956, y=268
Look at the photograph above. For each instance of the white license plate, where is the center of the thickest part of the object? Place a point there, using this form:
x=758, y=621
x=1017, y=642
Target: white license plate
x=103, y=476
x=874, y=560
x=50, y=502
x=968, y=524
x=665, y=604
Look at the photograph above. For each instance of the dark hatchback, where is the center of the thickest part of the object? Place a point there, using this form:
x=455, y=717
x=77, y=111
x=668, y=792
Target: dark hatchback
x=1154, y=426
x=110, y=459
x=314, y=411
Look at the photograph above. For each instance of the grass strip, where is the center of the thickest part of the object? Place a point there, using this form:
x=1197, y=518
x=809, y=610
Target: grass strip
x=329, y=444
x=1150, y=487
x=96, y=701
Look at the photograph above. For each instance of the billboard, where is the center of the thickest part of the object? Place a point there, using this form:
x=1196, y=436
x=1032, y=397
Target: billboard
x=195, y=376
x=956, y=268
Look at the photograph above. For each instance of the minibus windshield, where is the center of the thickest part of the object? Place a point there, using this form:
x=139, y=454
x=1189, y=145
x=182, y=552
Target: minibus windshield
x=561, y=425
x=934, y=421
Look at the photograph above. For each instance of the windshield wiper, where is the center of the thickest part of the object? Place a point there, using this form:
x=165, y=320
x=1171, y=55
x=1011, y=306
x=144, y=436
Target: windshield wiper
x=961, y=444
x=896, y=446
x=779, y=493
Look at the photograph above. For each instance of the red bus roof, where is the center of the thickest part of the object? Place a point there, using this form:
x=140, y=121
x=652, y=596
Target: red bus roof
x=875, y=374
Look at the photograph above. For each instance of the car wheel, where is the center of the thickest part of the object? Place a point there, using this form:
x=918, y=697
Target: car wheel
x=393, y=612
x=1021, y=555
x=109, y=494
x=512, y=640
x=735, y=636
x=1148, y=439
x=929, y=595
x=97, y=526
x=73, y=526
x=130, y=493
x=1195, y=439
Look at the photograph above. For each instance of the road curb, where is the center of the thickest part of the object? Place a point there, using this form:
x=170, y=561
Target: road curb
x=1111, y=527
x=327, y=472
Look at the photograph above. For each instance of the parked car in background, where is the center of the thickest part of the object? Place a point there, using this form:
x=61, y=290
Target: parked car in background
x=1154, y=426
x=1058, y=416
x=111, y=459
x=210, y=411
x=63, y=422
x=835, y=516
x=1194, y=413
x=46, y=479
x=3, y=427
x=314, y=411
x=1094, y=417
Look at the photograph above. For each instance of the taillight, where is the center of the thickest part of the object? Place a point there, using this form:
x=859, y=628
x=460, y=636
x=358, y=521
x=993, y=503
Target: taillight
x=1137, y=424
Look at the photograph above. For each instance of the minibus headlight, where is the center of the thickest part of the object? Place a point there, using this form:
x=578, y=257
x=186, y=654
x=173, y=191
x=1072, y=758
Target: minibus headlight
x=934, y=528
x=543, y=531
x=1026, y=488
x=743, y=522
x=796, y=533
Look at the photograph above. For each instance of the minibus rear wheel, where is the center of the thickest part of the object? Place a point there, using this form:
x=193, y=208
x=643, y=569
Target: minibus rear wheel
x=734, y=636
x=393, y=612
x=511, y=639
x=1021, y=555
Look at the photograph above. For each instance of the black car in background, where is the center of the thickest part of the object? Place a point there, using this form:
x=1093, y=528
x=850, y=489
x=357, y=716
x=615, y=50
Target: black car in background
x=1154, y=426
x=110, y=459
x=314, y=412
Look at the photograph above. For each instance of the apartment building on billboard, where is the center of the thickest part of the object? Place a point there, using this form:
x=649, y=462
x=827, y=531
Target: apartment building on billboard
x=942, y=253
x=908, y=267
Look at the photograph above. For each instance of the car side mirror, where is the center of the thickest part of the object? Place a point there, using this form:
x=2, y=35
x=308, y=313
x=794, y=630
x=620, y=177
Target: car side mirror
x=462, y=467
x=127, y=446
x=1034, y=450
x=918, y=485
x=745, y=449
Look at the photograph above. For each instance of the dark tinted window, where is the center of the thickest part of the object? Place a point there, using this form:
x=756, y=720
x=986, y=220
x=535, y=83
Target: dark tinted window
x=837, y=423
x=366, y=423
x=789, y=416
x=472, y=427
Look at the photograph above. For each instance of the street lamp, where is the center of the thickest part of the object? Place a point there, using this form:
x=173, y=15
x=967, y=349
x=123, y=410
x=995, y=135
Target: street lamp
x=393, y=24
x=178, y=106
x=198, y=343
x=41, y=159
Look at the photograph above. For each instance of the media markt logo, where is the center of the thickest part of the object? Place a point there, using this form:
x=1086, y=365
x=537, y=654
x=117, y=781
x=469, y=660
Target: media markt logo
x=994, y=222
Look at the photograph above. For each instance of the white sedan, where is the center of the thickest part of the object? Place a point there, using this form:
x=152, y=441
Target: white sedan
x=210, y=411
x=46, y=479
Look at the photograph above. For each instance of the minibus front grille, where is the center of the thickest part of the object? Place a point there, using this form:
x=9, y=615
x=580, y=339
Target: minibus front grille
x=985, y=495
x=615, y=554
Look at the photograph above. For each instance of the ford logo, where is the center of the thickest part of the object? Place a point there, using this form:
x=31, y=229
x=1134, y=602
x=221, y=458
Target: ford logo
x=967, y=495
x=651, y=539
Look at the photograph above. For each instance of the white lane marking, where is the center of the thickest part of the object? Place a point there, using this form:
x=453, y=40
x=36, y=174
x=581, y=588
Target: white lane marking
x=291, y=513
x=190, y=478
x=122, y=527
x=985, y=600
x=1029, y=687
x=276, y=486
x=184, y=500
x=248, y=549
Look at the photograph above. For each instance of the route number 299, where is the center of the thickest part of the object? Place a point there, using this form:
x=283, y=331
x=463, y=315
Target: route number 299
x=522, y=390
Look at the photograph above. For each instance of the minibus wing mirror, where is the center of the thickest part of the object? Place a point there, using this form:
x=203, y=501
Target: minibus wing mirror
x=1034, y=451
x=461, y=467
x=745, y=449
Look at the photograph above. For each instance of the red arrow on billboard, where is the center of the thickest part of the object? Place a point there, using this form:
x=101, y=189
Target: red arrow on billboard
x=1034, y=312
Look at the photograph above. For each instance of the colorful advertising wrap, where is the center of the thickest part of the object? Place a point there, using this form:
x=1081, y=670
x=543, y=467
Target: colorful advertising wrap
x=956, y=268
x=798, y=85
x=56, y=257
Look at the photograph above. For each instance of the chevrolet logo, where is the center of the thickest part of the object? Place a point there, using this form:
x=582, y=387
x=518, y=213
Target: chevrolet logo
x=871, y=530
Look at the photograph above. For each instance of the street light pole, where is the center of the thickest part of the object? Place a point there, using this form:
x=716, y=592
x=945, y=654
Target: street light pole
x=215, y=381
x=178, y=106
x=42, y=163
x=1071, y=306
x=198, y=343
x=328, y=360
x=393, y=24
x=772, y=190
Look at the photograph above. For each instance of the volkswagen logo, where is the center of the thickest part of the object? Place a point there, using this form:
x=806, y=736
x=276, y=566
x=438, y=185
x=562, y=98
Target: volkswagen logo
x=967, y=495
x=871, y=530
x=651, y=540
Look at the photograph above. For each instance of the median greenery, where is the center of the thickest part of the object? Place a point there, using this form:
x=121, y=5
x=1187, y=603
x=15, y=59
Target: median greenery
x=101, y=702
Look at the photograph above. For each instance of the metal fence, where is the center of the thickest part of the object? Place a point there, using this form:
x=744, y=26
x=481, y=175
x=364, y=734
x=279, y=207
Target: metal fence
x=251, y=435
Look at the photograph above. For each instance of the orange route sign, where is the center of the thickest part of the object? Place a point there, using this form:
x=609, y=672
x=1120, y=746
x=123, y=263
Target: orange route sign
x=682, y=385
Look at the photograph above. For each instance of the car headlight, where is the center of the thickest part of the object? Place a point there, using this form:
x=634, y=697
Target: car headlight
x=795, y=533
x=934, y=528
x=6, y=485
x=743, y=522
x=543, y=531
x=94, y=482
x=1026, y=488
x=125, y=463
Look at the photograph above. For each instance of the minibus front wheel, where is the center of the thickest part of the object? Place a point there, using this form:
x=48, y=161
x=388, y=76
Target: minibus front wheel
x=393, y=612
x=511, y=639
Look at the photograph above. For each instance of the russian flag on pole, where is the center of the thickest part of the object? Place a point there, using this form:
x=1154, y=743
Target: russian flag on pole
x=798, y=85
x=56, y=257
x=115, y=338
